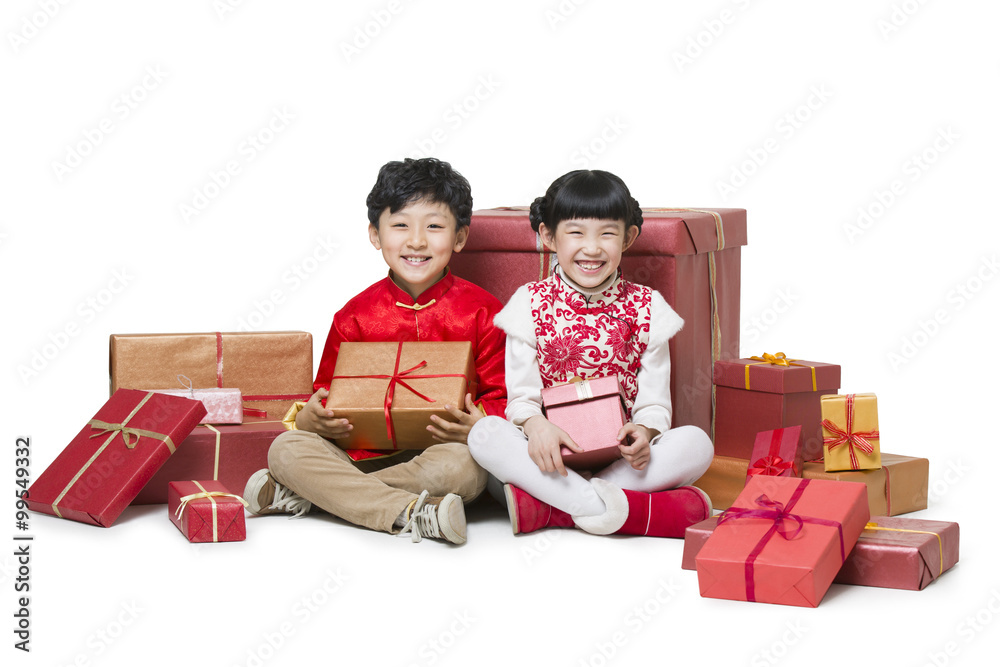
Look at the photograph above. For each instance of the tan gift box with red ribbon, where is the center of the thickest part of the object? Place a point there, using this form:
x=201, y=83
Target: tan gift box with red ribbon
x=388, y=391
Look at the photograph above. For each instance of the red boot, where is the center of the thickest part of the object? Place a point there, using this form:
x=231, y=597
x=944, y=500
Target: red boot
x=660, y=514
x=528, y=514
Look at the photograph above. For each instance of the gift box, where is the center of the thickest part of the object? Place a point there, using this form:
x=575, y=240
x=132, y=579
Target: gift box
x=591, y=412
x=228, y=453
x=223, y=406
x=890, y=552
x=724, y=480
x=388, y=391
x=770, y=392
x=850, y=432
x=272, y=369
x=898, y=487
x=690, y=256
x=106, y=465
x=777, y=453
x=206, y=511
x=783, y=541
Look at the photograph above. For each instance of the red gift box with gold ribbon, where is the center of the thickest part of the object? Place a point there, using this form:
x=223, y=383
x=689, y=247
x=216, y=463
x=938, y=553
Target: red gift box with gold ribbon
x=783, y=541
x=106, y=465
x=206, y=511
x=768, y=392
x=690, y=256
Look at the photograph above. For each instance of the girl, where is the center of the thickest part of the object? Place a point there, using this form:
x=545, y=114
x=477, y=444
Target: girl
x=586, y=321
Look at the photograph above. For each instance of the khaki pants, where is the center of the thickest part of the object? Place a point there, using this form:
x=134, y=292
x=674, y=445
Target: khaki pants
x=371, y=493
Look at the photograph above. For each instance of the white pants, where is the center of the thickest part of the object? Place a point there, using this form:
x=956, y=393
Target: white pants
x=677, y=458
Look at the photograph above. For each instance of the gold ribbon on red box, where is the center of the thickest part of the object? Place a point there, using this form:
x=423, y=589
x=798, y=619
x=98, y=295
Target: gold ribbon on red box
x=778, y=359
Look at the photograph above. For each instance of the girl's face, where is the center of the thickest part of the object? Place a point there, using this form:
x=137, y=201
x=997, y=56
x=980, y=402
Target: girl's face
x=589, y=250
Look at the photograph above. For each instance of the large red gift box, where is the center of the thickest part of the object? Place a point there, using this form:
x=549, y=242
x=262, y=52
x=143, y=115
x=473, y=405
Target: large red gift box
x=591, y=412
x=206, y=511
x=890, y=553
x=783, y=541
x=388, y=391
x=228, y=453
x=769, y=392
x=106, y=465
x=690, y=256
x=272, y=369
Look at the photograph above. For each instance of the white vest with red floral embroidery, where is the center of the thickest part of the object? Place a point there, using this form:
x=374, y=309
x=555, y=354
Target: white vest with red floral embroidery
x=587, y=337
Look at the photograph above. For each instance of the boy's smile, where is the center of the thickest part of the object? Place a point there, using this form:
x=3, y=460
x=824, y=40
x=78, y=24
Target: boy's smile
x=589, y=251
x=416, y=242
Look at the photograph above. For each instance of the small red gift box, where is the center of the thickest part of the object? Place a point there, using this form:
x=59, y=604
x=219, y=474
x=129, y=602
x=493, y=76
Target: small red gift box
x=591, y=412
x=206, y=511
x=777, y=453
x=890, y=553
x=770, y=392
x=106, y=465
x=783, y=541
x=228, y=453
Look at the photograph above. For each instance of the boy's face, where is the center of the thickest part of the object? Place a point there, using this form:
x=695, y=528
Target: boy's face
x=416, y=242
x=589, y=251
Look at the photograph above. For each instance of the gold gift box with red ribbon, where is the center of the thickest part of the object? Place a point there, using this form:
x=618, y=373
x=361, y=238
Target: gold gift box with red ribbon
x=850, y=432
x=388, y=391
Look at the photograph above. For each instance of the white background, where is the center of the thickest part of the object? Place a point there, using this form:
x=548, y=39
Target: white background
x=869, y=86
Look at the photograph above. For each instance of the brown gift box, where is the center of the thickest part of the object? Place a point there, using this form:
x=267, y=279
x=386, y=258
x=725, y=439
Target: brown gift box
x=724, y=480
x=753, y=396
x=272, y=369
x=690, y=256
x=375, y=387
x=898, y=487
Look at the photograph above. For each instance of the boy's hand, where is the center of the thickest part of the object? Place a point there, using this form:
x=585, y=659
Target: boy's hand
x=314, y=417
x=446, y=431
x=544, y=441
x=635, y=444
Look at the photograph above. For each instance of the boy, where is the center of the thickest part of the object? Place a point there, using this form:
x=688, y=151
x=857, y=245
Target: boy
x=419, y=213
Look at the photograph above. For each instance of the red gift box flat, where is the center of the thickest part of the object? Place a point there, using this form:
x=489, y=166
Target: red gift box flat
x=753, y=396
x=228, y=453
x=890, y=553
x=777, y=453
x=106, y=465
x=690, y=256
x=783, y=541
x=206, y=511
x=591, y=412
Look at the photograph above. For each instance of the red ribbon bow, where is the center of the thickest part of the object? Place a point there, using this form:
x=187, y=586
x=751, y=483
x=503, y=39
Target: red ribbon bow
x=848, y=436
x=769, y=465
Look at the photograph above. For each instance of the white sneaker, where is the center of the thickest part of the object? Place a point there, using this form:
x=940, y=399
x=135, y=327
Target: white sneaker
x=264, y=495
x=443, y=518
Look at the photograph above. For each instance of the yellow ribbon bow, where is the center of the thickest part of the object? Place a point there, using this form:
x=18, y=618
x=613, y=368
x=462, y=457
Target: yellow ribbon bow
x=778, y=359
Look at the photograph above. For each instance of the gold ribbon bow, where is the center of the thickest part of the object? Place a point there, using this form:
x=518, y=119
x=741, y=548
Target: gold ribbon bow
x=871, y=525
x=778, y=359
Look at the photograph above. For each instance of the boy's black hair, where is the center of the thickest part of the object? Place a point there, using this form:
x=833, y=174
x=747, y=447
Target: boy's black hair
x=586, y=194
x=401, y=183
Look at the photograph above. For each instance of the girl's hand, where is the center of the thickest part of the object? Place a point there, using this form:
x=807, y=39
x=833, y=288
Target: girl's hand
x=446, y=431
x=544, y=441
x=635, y=444
x=321, y=421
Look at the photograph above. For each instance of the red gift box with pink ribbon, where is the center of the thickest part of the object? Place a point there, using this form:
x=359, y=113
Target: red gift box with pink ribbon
x=690, y=256
x=591, y=412
x=783, y=541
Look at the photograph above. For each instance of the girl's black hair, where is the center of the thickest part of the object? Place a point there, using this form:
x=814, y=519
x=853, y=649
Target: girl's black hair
x=586, y=194
x=401, y=183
